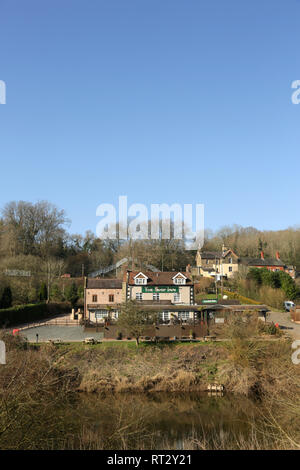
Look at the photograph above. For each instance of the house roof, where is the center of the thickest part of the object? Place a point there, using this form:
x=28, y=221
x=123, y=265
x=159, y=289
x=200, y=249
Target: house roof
x=210, y=254
x=161, y=278
x=140, y=274
x=262, y=262
x=104, y=283
x=216, y=254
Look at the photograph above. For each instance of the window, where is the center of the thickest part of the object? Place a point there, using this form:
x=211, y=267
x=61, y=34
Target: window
x=140, y=280
x=177, y=297
x=94, y=298
x=230, y=261
x=230, y=269
x=183, y=315
x=100, y=314
x=164, y=316
x=179, y=280
x=155, y=296
x=111, y=298
x=139, y=296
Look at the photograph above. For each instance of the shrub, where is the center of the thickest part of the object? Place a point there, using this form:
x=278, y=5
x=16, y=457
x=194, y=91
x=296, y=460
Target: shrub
x=30, y=313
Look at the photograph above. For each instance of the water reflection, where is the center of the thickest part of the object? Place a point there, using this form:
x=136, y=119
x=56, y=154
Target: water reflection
x=161, y=421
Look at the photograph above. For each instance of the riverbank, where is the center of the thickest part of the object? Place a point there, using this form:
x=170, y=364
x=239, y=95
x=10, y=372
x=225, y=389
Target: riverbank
x=43, y=388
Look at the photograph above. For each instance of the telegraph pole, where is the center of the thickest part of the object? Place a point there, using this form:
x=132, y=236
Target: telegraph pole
x=222, y=277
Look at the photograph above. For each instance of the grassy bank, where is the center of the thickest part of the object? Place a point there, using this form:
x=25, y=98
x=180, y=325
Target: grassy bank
x=40, y=381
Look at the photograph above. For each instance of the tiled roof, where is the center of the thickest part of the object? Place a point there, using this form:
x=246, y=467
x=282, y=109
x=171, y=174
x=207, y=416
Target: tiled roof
x=216, y=254
x=211, y=254
x=104, y=283
x=161, y=278
x=263, y=262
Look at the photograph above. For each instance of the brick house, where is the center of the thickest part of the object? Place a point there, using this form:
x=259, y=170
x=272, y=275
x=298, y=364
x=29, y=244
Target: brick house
x=272, y=264
x=102, y=297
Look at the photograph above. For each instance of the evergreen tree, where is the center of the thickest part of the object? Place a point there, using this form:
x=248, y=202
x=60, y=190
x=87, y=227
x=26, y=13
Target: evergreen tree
x=6, y=298
x=43, y=294
x=56, y=293
x=71, y=294
x=80, y=292
x=288, y=285
x=254, y=274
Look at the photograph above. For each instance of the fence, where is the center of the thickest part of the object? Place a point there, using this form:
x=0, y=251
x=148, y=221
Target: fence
x=155, y=331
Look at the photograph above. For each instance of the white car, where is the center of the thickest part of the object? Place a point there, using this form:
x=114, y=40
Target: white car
x=288, y=304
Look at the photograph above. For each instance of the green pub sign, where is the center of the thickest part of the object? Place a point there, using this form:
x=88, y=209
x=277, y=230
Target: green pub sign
x=160, y=289
x=209, y=301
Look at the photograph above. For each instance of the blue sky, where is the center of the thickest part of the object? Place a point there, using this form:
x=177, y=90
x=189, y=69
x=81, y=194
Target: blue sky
x=184, y=101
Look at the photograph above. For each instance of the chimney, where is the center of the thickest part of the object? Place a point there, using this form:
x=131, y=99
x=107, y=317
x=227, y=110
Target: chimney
x=262, y=255
x=188, y=268
x=277, y=255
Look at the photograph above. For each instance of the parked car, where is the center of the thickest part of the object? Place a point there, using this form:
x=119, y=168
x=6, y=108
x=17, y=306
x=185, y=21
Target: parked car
x=288, y=305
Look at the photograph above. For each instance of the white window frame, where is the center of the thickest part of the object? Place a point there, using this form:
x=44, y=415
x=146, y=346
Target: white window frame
x=155, y=296
x=101, y=314
x=139, y=296
x=164, y=316
x=140, y=279
x=116, y=314
x=179, y=281
x=177, y=297
x=184, y=315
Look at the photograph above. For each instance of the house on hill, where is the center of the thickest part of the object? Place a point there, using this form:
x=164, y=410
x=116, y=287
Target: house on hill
x=213, y=263
x=272, y=264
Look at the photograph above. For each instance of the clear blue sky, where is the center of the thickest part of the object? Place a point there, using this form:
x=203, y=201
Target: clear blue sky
x=183, y=101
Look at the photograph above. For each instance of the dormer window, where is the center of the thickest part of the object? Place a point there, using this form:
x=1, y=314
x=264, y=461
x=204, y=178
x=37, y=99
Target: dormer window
x=140, y=279
x=179, y=279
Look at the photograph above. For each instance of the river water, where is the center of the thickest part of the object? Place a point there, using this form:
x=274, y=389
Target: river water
x=161, y=421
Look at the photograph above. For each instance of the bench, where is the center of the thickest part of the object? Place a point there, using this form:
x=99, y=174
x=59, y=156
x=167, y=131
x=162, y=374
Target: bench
x=90, y=341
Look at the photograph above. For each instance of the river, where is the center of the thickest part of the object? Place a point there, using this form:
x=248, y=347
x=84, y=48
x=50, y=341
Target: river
x=160, y=421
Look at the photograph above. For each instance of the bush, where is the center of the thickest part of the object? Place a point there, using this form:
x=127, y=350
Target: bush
x=269, y=329
x=278, y=280
x=30, y=313
x=203, y=285
x=241, y=298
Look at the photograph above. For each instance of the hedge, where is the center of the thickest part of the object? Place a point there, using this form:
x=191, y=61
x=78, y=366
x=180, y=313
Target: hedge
x=241, y=298
x=30, y=313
